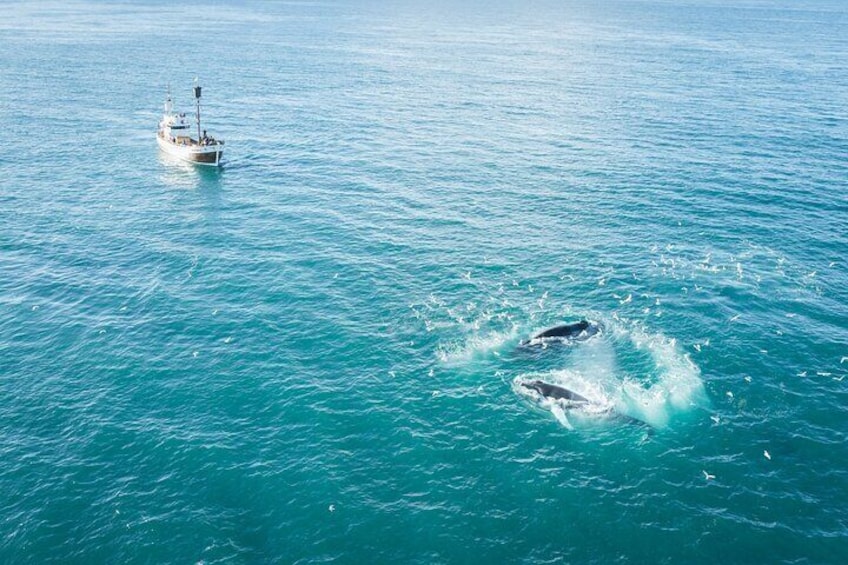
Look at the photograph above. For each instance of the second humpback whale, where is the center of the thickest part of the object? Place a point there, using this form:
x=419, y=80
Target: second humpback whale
x=558, y=399
x=556, y=392
x=577, y=331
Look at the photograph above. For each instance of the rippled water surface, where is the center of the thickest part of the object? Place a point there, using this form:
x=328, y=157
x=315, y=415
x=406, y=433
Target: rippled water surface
x=313, y=354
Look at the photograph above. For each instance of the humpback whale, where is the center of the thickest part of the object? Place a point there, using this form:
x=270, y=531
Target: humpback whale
x=548, y=390
x=561, y=399
x=577, y=331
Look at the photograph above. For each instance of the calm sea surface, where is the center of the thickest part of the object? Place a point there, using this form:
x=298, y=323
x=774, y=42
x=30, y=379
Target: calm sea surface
x=312, y=354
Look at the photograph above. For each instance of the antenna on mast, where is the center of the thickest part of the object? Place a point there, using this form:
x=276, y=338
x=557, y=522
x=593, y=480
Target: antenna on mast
x=197, y=101
x=169, y=102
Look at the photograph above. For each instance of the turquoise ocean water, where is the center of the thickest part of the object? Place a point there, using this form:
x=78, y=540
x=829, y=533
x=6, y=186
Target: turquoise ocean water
x=311, y=355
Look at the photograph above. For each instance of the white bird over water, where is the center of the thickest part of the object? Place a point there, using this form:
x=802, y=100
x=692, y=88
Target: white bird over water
x=767, y=455
x=707, y=476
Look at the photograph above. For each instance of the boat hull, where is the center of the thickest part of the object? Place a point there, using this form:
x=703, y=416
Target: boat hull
x=209, y=155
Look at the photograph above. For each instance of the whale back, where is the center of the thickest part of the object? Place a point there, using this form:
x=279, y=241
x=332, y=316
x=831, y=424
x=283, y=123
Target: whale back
x=564, y=330
x=565, y=400
x=577, y=331
x=556, y=392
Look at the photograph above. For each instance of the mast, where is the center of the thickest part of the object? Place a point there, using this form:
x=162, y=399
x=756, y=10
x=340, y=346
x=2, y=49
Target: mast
x=169, y=103
x=197, y=101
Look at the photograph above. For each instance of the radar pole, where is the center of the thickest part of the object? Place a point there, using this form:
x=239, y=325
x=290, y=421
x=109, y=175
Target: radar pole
x=197, y=101
x=169, y=102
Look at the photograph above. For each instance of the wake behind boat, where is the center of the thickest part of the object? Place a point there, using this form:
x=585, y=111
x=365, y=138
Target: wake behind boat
x=175, y=136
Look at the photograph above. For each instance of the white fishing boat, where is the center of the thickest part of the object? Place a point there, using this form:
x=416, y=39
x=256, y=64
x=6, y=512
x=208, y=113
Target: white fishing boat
x=175, y=136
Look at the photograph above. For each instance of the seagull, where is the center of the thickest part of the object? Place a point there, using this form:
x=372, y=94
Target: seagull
x=729, y=394
x=714, y=419
x=697, y=347
x=766, y=455
x=332, y=508
x=843, y=360
x=734, y=318
x=707, y=476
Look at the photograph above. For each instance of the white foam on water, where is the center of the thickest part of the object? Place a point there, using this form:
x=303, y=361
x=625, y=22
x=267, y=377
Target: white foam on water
x=674, y=387
x=476, y=346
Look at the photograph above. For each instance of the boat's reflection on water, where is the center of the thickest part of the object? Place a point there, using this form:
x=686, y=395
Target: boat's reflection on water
x=180, y=174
